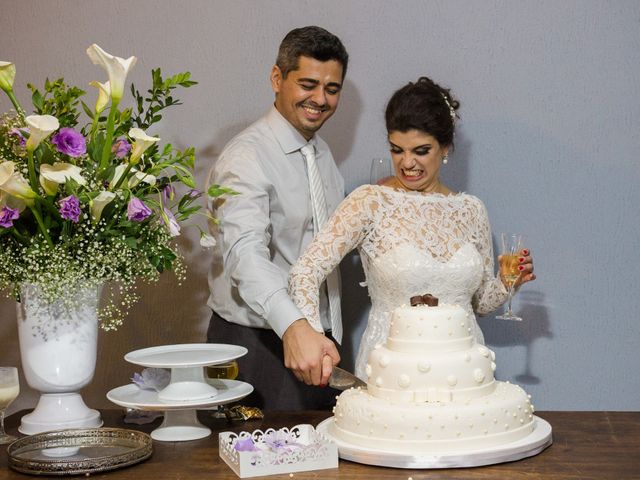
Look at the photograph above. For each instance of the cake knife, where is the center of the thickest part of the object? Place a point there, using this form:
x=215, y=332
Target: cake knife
x=342, y=380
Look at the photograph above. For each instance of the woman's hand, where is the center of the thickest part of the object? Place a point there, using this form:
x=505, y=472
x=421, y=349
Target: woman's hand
x=525, y=267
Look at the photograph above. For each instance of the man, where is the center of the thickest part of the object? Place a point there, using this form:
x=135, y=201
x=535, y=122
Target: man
x=265, y=228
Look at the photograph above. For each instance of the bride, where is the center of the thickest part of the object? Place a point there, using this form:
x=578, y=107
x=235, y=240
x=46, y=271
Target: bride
x=414, y=234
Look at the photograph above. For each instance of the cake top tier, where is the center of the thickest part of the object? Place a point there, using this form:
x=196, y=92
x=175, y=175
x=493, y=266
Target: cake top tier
x=420, y=327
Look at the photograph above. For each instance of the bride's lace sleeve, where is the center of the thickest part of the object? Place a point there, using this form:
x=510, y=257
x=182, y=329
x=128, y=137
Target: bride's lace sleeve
x=343, y=232
x=491, y=293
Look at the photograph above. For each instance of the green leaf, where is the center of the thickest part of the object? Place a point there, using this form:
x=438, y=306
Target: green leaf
x=37, y=100
x=217, y=191
x=87, y=110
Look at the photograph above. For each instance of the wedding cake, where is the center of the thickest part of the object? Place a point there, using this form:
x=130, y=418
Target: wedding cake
x=431, y=388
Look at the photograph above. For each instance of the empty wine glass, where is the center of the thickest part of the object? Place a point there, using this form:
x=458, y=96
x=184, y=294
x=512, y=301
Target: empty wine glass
x=9, y=390
x=380, y=170
x=510, y=252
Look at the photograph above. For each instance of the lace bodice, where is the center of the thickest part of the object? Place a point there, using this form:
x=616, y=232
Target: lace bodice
x=410, y=243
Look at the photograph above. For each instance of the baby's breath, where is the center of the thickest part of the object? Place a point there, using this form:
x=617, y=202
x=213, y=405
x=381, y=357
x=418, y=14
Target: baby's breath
x=88, y=258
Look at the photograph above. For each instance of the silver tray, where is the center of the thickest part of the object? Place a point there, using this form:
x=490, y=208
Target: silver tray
x=79, y=451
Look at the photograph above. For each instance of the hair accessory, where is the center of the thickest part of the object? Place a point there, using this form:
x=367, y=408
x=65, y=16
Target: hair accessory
x=452, y=112
x=445, y=159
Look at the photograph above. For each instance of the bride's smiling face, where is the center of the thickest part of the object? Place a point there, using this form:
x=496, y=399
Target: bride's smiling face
x=417, y=157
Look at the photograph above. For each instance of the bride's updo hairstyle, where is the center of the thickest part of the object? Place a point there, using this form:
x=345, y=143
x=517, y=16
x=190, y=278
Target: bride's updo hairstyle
x=423, y=105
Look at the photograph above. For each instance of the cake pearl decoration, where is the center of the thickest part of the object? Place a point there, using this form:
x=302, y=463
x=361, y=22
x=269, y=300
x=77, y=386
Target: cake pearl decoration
x=452, y=380
x=368, y=370
x=493, y=355
x=484, y=351
x=493, y=367
x=379, y=382
x=384, y=361
x=424, y=367
x=478, y=375
x=404, y=381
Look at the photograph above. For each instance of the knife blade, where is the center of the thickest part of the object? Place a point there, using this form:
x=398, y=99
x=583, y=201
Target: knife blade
x=342, y=380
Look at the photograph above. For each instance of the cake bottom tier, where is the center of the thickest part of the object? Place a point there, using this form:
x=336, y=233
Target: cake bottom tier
x=504, y=416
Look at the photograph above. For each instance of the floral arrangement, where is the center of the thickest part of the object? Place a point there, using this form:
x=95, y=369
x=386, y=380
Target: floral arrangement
x=93, y=204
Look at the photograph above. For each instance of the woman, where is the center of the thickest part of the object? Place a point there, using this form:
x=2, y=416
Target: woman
x=414, y=234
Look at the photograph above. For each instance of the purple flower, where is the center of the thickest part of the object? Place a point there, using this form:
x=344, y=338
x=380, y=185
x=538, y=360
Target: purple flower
x=137, y=211
x=193, y=193
x=70, y=142
x=7, y=216
x=281, y=441
x=172, y=223
x=245, y=445
x=152, y=379
x=121, y=148
x=168, y=193
x=18, y=133
x=70, y=208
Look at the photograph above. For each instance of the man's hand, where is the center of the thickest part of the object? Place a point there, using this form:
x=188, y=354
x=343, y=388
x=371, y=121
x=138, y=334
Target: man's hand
x=309, y=354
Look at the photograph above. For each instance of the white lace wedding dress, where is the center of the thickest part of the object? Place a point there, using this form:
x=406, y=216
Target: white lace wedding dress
x=410, y=243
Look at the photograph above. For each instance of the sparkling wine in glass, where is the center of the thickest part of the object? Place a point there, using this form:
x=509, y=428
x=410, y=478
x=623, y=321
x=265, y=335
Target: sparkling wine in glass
x=380, y=170
x=224, y=370
x=511, y=246
x=9, y=390
x=228, y=371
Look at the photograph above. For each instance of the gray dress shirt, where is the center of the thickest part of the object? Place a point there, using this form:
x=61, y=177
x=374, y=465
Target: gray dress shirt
x=264, y=229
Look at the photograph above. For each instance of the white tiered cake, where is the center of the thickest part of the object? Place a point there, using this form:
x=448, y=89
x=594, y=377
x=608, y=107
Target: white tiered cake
x=431, y=388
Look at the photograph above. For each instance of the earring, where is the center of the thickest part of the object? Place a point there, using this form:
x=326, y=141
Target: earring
x=445, y=159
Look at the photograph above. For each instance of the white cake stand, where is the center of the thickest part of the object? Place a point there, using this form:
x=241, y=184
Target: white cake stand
x=188, y=389
x=532, y=444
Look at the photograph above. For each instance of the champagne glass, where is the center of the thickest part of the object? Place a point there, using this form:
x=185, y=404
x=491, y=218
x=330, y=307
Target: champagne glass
x=511, y=246
x=9, y=390
x=380, y=170
x=224, y=370
x=227, y=370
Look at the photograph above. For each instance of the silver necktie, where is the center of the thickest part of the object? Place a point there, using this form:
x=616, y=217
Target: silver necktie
x=319, y=210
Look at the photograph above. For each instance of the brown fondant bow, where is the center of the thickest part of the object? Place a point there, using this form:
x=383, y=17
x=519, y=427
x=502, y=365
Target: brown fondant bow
x=426, y=299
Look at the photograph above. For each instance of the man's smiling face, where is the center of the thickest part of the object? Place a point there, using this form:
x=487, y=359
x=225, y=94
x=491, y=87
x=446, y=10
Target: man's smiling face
x=309, y=95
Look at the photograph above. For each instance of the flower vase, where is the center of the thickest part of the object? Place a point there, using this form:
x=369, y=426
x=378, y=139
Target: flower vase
x=58, y=347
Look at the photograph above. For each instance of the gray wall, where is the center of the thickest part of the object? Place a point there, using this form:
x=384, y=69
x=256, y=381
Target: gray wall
x=548, y=139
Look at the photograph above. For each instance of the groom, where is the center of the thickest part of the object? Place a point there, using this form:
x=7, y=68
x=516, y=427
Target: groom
x=265, y=228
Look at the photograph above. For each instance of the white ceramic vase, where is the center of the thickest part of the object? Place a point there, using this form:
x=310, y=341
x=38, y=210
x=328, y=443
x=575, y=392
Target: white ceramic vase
x=58, y=346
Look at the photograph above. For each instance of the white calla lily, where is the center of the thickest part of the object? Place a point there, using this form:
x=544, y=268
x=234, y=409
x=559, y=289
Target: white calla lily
x=7, y=76
x=14, y=183
x=142, y=141
x=12, y=202
x=58, y=174
x=136, y=176
x=40, y=127
x=97, y=204
x=117, y=68
x=139, y=176
x=104, y=93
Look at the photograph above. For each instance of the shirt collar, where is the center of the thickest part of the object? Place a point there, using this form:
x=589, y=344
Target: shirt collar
x=288, y=137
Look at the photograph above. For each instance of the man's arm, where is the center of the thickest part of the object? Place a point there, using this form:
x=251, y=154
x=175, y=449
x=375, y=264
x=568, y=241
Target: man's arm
x=245, y=222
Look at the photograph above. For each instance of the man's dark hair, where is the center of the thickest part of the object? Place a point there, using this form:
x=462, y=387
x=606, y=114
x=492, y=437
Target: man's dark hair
x=314, y=42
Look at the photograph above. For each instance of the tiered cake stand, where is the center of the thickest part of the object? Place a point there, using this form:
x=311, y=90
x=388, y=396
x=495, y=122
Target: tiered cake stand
x=188, y=390
x=534, y=443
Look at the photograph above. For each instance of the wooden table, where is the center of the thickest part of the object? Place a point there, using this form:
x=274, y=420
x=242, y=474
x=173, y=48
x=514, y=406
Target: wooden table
x=586, y=445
